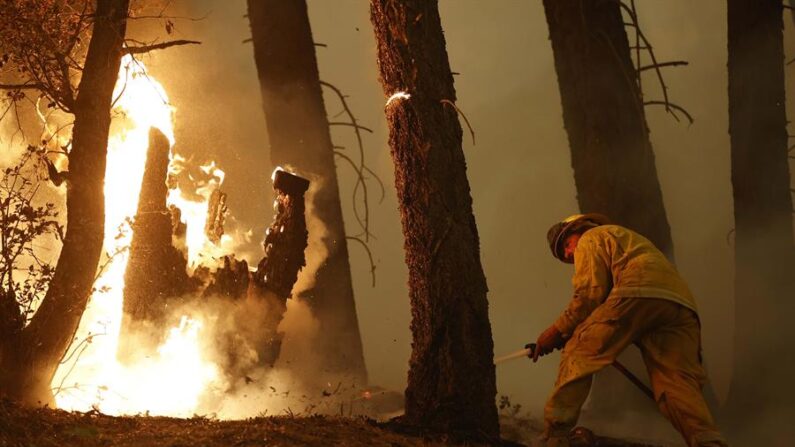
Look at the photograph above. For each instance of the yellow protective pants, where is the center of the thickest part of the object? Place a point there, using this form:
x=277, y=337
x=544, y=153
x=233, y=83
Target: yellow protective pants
x=669, y=337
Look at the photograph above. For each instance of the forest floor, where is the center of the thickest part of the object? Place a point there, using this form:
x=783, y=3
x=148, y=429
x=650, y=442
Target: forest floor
x=44, y=427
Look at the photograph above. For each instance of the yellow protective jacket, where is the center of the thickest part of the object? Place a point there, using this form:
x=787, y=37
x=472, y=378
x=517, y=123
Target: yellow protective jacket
x=611, y=260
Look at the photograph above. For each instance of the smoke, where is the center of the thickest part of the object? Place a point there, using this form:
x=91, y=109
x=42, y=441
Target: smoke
x=317, y=251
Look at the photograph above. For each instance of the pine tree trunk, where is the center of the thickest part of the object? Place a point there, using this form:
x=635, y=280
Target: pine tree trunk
x=764, y=247
x=612, y=158
x=451, y=381
x=26, y=373
x=299, y=136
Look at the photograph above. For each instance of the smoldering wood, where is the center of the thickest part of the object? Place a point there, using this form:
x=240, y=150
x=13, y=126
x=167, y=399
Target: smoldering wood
x=299, y=136
x=230, y=280
x=156, y=270
x=451, y=379
x=271, y=285
x=216, y=215
x=286, y=238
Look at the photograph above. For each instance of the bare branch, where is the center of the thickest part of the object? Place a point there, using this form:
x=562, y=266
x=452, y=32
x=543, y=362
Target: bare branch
x=451, y=103
x=159, y=46
x=363, y=222
x=642, y=41
x=663, y=64
x=25, y=86
x=369, y=255
x=673, y=106
x=362, y=166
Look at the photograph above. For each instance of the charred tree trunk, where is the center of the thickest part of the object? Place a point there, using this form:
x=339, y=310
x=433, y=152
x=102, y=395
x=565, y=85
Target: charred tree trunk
x=156, y=270
x=764, y=247
x=612, y=158
x=277, y=272
x=299, y=137
x=451, y=384
x=27, y=372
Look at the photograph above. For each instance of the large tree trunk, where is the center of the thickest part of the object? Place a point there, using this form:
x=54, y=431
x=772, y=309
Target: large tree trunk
x=611, y=154
x=764, y=247
x=27, y=372
x=451, y=382
x=299, y=136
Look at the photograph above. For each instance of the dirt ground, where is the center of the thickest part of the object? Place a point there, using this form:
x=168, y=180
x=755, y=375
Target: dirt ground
x=46, y=427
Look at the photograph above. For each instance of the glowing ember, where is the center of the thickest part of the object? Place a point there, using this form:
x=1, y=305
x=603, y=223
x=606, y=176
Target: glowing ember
x=396, y=96
x=171, y=382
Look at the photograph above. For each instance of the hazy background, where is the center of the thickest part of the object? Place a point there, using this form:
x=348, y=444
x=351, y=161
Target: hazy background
x=519, y=171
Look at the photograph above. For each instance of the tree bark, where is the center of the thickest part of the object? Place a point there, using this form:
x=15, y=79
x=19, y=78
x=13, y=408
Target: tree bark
x=763, y=238
x=451, y=382
x=611, y=154
x=26, y=374
x=299, y=137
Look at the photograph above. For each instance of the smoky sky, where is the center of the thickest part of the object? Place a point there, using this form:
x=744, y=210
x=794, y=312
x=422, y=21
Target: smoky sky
x=519, y=169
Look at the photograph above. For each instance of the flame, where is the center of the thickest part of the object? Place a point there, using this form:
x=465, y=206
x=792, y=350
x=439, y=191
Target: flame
x=194, y=213
x=171, y=382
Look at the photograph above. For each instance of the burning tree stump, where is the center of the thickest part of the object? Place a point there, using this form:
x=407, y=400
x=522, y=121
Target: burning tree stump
x=277, y=272
x=156, y=271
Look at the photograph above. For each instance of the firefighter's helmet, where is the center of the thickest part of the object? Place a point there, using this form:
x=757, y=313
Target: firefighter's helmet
x=558, y=233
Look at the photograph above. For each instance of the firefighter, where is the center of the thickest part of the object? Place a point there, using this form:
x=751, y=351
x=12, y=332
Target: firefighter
x=625, y=292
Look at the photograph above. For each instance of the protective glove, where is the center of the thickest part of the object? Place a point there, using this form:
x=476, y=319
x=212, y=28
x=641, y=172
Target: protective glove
x=548, y=341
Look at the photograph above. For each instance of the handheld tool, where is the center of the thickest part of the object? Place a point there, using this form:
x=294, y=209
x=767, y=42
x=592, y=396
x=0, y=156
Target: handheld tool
x=530, y=347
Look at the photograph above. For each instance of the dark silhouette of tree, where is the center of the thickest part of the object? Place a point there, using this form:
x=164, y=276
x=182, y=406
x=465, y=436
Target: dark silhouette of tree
x=764, y=247
x=611, y=154
x=451, y=382
x=298, y=130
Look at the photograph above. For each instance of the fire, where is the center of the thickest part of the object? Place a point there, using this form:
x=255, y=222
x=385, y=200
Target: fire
x=194, y=213
x=171, y=382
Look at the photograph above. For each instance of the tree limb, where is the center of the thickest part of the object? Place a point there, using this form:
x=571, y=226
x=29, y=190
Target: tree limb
x=158, y=46
x=369, y=254
x=670, y=105
x=25, y=86
x=662, y=64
